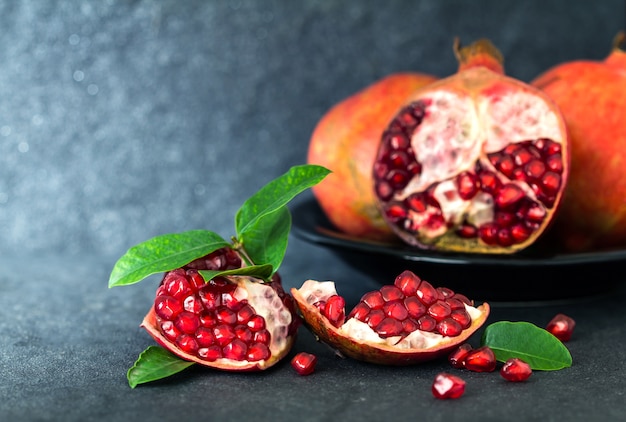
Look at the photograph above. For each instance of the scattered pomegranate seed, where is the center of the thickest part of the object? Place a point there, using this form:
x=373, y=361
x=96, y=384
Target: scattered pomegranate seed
x=561, y=326
x=515, y=370
x=447, y=386
x=304, y=363
x=481, y=360
x=457, y=357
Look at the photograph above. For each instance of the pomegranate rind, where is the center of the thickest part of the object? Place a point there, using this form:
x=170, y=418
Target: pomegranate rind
x=377, y=353
x=150, y=324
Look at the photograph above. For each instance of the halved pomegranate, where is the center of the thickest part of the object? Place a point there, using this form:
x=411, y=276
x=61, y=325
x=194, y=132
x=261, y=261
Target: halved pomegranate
x=404, y=323
x=475, y=162
x=235, y=323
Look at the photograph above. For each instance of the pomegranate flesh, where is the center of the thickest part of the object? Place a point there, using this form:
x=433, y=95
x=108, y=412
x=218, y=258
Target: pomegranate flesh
x=404, y=323
x=345, y=141
x=475, y=162
x=233, y=323
x=589, y=94
x=448, y=386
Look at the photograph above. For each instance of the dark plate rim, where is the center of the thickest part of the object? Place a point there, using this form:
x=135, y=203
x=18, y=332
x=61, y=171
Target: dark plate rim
x=310, y=224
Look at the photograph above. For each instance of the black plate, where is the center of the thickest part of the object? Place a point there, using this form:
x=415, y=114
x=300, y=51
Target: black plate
x=531, y=275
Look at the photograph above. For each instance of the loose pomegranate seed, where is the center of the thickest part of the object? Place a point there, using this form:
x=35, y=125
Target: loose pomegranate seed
x=481, y=360
x=304, y=363
x=561, y=326
x=457, y=357
x=515, y=370
x=447, y=386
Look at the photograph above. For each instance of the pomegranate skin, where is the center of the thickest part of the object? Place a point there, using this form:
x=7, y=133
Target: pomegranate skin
x=476, y=162
x=590, y=96
x=345, y=141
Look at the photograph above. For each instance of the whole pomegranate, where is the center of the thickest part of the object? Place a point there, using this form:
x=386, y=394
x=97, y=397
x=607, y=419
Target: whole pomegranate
x=230, y=323
x=407, y=322
x=475, y=162
x=345, y=141
x=591, y=97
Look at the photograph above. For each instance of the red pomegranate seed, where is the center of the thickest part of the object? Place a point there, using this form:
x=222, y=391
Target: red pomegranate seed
x=509, y=195
x=439, y=310
x=243, y=333
x=515, y=370
x=208, y=319
x=224, y=334
x=427, y=323
x=407, y=282
x=489, y=182
x=210, y=353
x=375, y=317
x=390, y=292
x=304, y=363
x=448, y=386
x=455, y=303
x=245, y=313
x=462, y=317
x=467, y=185
x=481, y=360
x=414, y=307
x=187, y=343
x=193, y=304
x=467, y=231
x=167, y=307
x=417, y=202
x=236, y=350
x=187, y=322
x=257, y=352
x=551, y=182
x=449, y=327
x=389, y=327
x=335, y=310
x=176, y=285
x=561, y=326
x=210, y=299
x=226, y=315
x=170, y=331
x=256, y=323
x=360, y=311
x=457, y=357
x=396, y=309
x=262, y=336
x=373, y=299
x=427, y=293
x=488, y=233
x=204, y=337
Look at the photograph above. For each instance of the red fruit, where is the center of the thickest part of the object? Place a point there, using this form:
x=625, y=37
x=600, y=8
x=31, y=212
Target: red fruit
x=345, y=141
x=447, y=386
x=590, y=96
x=233, y=323
x=304, y=363
x=388, y=326
x=487, y=160
x=457, y=357
x=561, y=326
x=515, y=370
x=481, y=360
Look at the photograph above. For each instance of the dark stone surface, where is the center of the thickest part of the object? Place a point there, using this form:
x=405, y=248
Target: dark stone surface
x=121, y=120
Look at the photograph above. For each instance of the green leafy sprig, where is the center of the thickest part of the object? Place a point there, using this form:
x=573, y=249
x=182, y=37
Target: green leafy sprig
x=262, y=227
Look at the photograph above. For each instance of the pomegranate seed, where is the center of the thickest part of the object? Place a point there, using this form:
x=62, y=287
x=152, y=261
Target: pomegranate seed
x=427, y=323
x=236, y=350
x=167, y=307
x=489, y=182
x=504, y=237
x=257, y=352
x=373, y=299
x=226, y=315
x=534, y=169
x=416, y=202
x=360, y=311
x=561, y=326
x=176, y=285
x=457, y=357
x=427, y=293
x=481, y=360
x=390, y=292
x=210, y=353
x=488, y=233
x=187, y=343
x=193, y=304
x=243, y=333
x=449, y=327
x=169, y=330
x=245, y=313
x=398, y=179
x=256, y=323
x=555, y=163
x=462, y=317
x=439, y=310
x=210, y=299
x=414, y=307
x=515, y=370
x=467, y=231
x=389, y=327
x=335, y=311
x=509, y=195
x=396, y=213
x=551, y=182
x=407, y=282
x=375, y=317
x=467, y=185
x=187, y=322
x=398, y=159
x=304, y=363
x=409, y=325
x=204, y=337
x=447, y=386
x=208, y=319
x=455, y=303
x=396, y=309
x=224, y=334
x=262, y=336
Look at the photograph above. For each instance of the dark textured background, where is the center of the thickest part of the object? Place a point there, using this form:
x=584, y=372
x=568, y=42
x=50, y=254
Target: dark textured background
x=121, y=120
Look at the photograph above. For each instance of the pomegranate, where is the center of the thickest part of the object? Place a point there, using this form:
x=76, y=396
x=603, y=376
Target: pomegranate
x=475, y=162
x=407, y=322
x=345, y=141
x=562, y=327
x=516, y=370
x=233, y=323
x=590, y=96
x=448, y=386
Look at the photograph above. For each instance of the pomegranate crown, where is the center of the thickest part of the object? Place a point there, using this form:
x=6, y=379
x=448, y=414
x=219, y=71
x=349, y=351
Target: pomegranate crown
x=480, y=53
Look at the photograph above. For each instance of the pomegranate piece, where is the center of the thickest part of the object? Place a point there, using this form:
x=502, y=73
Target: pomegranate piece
x=485, y=160
x=304, y=363
x=345, y=140
x=407, y=322
x=515, y=370
x=230, y=323
x=561, y=326
x=448, y=386
x=480, y=360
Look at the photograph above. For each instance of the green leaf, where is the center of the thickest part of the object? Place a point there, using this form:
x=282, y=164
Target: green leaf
x=263, y=272
x=276, y=194
x=153, y=364
x=534, y=345
x=163, y=253
x=267, y=240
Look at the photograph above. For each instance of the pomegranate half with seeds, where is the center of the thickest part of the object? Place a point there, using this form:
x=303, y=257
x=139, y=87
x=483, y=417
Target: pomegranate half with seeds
x=404, y=323
x=235, y=323
x=475, y=162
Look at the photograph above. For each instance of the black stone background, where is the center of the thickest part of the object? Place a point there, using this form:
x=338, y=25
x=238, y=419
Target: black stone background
x=122, y=120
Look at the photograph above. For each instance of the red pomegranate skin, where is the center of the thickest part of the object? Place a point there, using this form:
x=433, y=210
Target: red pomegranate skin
x=590, y=95
x=345, y=141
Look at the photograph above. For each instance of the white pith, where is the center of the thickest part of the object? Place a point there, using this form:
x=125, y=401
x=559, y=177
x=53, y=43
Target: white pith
x=314, y=291
x=456, y=132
